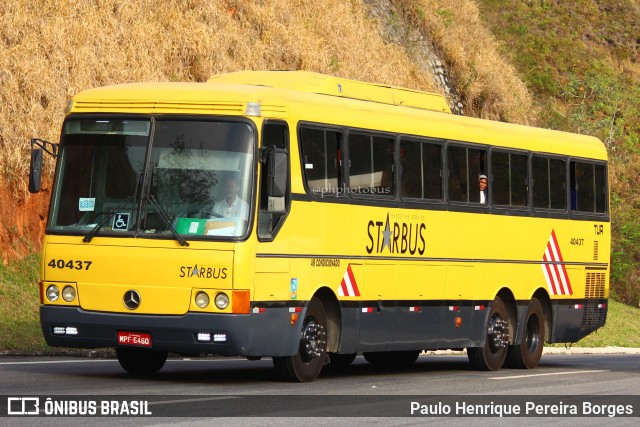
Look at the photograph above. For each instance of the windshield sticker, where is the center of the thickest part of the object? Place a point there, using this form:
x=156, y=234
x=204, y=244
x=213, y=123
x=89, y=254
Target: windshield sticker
x=87, y=204
x=121, y=221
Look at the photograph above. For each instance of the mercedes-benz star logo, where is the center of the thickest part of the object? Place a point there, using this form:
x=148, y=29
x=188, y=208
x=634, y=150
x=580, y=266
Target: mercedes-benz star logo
x=131, y=299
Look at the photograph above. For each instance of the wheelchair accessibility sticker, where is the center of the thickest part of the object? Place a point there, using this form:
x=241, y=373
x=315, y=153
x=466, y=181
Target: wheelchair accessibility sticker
x=121, y=221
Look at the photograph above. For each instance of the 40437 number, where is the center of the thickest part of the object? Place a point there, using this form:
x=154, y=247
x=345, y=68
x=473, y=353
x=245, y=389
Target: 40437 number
x=71, y=264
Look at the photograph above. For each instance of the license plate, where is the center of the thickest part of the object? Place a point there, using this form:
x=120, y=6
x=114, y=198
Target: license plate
x=134, y=338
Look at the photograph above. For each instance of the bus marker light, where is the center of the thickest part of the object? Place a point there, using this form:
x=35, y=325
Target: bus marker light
x=602, y=305
x=294, y=318
x=578, y=306
x=258, y=310
x=415, y=309
x=253, y=109
x=479, y=307
x=367, y=309
x=65, y=330
x=454, y=308
x=204, y=337
x=458, y=322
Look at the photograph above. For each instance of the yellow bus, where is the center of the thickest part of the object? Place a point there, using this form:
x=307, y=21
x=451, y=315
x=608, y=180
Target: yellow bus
x=309, y=218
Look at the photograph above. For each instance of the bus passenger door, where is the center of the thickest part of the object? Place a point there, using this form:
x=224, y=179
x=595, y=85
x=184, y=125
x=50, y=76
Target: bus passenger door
x=379, y=292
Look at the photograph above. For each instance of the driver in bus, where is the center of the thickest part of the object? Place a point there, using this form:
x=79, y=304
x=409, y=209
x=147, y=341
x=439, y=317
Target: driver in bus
x=231, y=206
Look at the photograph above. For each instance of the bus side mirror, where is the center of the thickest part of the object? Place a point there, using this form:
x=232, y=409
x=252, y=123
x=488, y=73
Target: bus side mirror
x=35, y=170
x=278, y=172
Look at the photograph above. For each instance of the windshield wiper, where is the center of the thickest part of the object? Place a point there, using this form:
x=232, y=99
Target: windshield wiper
x=90, y=235
x=165, y=218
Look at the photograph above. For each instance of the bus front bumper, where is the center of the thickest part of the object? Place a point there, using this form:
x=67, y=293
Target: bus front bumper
x=230, y=334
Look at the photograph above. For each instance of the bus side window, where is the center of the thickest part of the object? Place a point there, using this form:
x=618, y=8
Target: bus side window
x=549, y=183
x=588, y=187
x=321, y=161
x=421, y=169
x=274, y=134
x=465, y=166
x=510, y=173
x=371, y=162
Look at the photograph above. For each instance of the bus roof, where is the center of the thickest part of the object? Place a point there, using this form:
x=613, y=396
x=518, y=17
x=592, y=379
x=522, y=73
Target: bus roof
x=314, y=97
x=305, y=81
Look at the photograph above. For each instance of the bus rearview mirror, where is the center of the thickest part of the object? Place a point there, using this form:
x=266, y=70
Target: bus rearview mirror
x=278, y=172
x=35, y=170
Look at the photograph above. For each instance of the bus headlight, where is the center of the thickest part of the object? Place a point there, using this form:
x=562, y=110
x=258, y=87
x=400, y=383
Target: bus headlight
x=68, y=293
x=222, y=301
x=53, y=293
x=202, y=299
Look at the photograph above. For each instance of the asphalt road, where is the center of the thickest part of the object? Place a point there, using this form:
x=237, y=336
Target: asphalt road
x=245, y=392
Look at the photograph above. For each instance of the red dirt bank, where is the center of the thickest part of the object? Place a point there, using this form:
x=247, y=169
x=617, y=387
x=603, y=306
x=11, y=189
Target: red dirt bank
x=22, y=221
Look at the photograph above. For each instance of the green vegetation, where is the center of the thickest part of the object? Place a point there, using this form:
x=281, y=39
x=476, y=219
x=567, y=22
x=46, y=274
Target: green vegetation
x=19, y=303
x=622, y=328
x=581, y=60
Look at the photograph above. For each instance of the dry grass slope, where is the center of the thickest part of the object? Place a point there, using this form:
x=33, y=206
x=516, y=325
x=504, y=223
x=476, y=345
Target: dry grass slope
x=51, y=49
x=487, y=83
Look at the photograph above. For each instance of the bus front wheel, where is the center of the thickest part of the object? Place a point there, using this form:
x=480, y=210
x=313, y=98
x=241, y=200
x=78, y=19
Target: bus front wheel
x=141, y=361
x=527, y=354
x=306, y=364
x=492, y=355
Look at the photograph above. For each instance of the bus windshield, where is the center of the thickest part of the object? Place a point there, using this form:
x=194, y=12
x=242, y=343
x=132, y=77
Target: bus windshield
x=197, y=181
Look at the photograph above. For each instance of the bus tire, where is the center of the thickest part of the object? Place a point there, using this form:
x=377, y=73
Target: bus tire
x=141, y=361
x=306, y=364
x=341, y=360
x=492, y=355
x=527, y=353
x=392, y=358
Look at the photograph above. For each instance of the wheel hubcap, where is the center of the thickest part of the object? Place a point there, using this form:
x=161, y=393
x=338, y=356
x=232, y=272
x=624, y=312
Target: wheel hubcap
x=313, y=341
x=498, y=334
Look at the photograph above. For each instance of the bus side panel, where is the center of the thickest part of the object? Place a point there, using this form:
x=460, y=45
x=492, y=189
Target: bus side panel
x=575, y=319
x=272, y=333
x=419, y=315
x=350, y=312
x=379, y=305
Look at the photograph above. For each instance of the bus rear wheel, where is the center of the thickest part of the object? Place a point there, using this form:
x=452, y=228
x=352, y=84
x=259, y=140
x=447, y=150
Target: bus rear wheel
x=141, y=361
x=527, y=354
x=492, y=355
x=306, y=364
